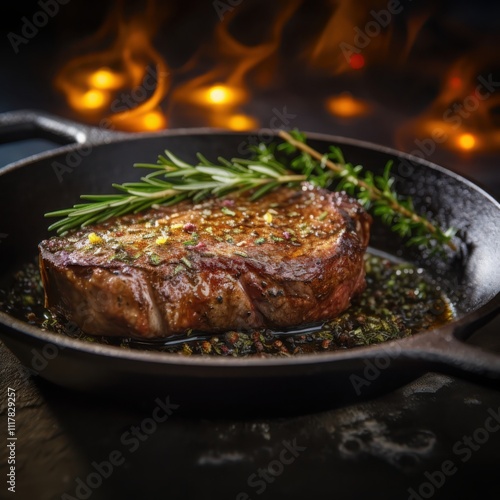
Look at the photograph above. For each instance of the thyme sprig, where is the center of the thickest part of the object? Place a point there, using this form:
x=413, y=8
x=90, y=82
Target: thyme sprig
x=173, y=180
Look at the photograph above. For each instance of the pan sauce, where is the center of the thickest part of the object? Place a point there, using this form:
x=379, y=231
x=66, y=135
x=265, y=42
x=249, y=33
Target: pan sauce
x=400, y=300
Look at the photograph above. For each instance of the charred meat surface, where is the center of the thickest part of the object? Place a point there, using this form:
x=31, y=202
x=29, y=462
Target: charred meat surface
x=289, y=258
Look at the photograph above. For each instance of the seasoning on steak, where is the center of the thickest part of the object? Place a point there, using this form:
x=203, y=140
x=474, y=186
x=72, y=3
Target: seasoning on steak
x=289, y=258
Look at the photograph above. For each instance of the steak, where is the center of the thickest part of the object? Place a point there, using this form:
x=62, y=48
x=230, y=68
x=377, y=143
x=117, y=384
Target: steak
x=292, y=257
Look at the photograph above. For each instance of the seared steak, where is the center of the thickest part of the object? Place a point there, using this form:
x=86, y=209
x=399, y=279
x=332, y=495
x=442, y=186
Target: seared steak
x=289, y=258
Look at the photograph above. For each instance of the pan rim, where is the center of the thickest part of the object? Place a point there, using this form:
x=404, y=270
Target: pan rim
x=109, y=138
x=113, y=138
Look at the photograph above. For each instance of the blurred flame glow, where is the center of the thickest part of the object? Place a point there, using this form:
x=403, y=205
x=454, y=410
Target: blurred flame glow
x=154, y=120
x=460, y=118
x=106, y=79
x=466, y=141
x=125, y=82
x=242, y=122
x=218, y=95
x=94, y=99
x=346, y=106
x=455, y=82
x=91, y=99
x=356, y=61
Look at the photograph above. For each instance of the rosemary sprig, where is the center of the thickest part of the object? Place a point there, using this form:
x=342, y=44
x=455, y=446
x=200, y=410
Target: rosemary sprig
x=173, y=180
x=374, y=192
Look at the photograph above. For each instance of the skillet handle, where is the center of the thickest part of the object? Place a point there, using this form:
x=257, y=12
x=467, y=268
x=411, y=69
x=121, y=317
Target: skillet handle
x=27, y=124
x=442, y=351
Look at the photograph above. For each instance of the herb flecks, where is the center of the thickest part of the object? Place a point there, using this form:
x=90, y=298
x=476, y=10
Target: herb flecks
x=155, y=259
x=227, y=211
x=187, y=262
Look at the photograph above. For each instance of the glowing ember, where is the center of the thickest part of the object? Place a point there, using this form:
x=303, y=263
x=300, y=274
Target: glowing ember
x=219, y=94
x=216, y=95
x=466, y=141
x=357, y=61
x=455, y=82
x=94, y=99
x=154, y=120
x=106, y=79
x=89, y=100
x=346, y=106
x=242, y=122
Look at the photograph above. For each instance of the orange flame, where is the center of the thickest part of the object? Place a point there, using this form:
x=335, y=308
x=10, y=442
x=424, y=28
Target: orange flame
x=220, y=93
x=461, y=117
x=125, y=83
x=345, y=105
x=354, y=37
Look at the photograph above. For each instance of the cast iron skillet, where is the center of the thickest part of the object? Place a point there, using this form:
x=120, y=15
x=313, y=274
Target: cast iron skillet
x=30, y=187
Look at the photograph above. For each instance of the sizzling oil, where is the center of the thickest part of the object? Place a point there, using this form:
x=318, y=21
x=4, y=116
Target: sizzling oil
x=399, y=300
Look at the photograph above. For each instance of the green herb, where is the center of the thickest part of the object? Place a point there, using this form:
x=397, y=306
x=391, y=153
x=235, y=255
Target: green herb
x=122, y=256
x=259, y=241
x=154, y=259
x=193, y=240
x=241, y=254
x=323, y=215
x=187, y=263
x=226, y=211
x=173, y=180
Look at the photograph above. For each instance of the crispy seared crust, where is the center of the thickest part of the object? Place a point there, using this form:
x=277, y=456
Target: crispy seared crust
x=289, y=258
